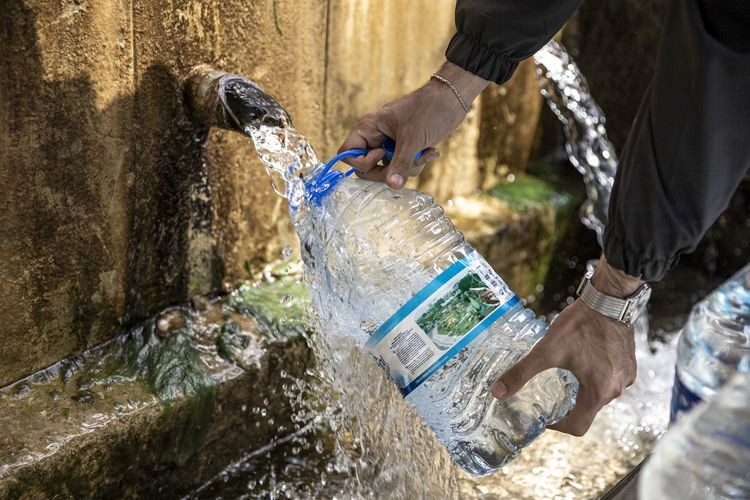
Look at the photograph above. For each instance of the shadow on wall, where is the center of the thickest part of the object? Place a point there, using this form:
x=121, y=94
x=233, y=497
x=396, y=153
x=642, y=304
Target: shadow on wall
x=98, y=204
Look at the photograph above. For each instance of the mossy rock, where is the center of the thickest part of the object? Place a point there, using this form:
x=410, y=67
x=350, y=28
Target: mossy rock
x=530, y=192
x=516, y=226
x=162, y=401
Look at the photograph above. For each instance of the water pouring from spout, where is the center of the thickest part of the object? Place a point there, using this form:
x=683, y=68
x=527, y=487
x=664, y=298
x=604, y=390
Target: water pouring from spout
x=389, y=270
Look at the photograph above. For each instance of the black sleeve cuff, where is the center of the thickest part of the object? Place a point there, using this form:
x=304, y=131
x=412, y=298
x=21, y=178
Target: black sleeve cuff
x=634, y=262
x=477, y=58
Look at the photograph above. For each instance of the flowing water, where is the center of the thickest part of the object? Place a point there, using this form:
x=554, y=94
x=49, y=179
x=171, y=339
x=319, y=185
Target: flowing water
x=353, y=433
x=377, y=439
x=589, y=150
x=372, y=443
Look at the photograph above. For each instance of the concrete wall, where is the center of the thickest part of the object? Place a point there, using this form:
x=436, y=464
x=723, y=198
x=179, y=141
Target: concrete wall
x=113, y=206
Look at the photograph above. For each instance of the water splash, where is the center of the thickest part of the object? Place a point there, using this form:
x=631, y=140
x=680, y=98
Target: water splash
x=589, y=150
x=562, y=466
x=180, y=356
x=288, y=158
x=372, y=441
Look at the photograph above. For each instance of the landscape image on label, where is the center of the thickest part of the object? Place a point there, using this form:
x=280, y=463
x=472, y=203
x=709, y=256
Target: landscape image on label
x=458, y=311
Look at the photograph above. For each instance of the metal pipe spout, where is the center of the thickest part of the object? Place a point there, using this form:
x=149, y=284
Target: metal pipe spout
x=220, y=99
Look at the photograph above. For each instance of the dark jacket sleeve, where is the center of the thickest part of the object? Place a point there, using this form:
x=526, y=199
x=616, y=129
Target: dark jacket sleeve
x=690, y=144
x=493, y=36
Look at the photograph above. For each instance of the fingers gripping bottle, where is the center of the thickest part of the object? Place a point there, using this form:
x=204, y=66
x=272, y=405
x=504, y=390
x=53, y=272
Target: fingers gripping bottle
x=389, y=268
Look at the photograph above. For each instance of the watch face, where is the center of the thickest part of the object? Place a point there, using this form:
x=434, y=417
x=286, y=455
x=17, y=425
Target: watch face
x=637, y=304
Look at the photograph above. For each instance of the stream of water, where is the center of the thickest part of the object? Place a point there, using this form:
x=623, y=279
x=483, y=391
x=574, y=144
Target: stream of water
x=589, y=150
x=364, y=440
x=353, y=435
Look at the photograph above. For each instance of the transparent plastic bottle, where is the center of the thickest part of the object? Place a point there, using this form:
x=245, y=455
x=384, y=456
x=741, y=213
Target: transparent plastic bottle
x=706, y=455
x=714, y=344
x=371, y=252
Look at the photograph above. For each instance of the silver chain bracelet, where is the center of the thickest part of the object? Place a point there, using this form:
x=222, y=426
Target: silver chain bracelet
x=453, y=89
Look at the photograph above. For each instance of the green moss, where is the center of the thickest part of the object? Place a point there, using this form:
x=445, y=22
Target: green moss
x=553, y=191
x=280, y=306
x=171, y=367
x=230, y=340
x=527, y=192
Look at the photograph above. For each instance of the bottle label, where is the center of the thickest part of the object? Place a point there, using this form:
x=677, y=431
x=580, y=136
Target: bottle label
x=439, y=321
x=683, y=399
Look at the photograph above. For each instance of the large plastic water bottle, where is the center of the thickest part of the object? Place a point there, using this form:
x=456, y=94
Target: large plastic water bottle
x=714, y=344
x=389, y=268
x=706, y=455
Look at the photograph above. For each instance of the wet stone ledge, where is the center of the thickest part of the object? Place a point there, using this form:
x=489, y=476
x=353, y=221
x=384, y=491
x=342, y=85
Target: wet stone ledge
x=165, y=406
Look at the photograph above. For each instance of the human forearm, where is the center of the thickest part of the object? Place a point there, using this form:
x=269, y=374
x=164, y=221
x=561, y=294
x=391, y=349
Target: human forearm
x=468, y=85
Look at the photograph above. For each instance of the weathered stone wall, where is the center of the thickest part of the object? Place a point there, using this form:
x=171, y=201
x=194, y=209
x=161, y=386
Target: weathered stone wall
x=66, y=158
x=114, y=206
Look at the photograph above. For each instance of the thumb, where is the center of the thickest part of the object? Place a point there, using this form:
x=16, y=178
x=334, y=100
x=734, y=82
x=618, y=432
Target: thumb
x=398, y=169
x=518, y=375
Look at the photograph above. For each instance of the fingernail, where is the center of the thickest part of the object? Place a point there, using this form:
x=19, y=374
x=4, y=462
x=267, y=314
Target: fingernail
x=396, y=180
x=499, y=390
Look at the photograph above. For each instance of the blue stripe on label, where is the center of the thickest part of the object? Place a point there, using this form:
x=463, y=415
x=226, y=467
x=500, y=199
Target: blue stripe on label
x=415, y=301
x=465, y=340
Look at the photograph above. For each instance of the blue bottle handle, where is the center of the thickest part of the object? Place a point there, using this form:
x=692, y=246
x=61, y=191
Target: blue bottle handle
x=389, y=145
x=327, y=179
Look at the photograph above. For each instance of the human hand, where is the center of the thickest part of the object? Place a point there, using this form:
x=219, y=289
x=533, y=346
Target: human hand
x=598, y=350
x=415, y=121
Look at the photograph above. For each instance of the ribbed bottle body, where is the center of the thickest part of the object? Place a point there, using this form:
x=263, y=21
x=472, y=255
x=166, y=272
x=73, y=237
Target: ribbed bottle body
x=707, y=453
x=714, y=343
x=369, y=250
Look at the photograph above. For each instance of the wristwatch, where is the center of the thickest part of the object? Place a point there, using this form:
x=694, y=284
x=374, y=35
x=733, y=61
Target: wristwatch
x=625, y=310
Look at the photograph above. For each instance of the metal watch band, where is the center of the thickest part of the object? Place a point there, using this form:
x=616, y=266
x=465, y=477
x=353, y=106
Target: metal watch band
x=625, y=310
x=596, y=300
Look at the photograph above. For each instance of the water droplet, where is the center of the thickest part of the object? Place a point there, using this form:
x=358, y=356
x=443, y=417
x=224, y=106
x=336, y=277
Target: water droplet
x=162, y=324
x=287, y=251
